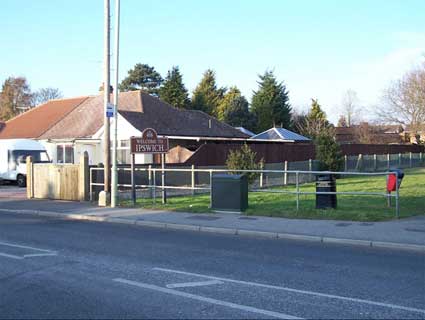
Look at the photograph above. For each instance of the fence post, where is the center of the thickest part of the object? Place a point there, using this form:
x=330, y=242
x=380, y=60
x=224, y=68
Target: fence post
x=83, y=177
x=133, y=182
x=410, y=160
x=164, y=192
x=150, y=181
x=30, y=180
x=261, y=175
x=388, y=161
x=285, y=175
x=399, y=159
x=345, y=163
x=211, y=174
x=193, y=179
x=420, y=158
x=359, y=162
x=310, y=168
x=297, y=181
x=375, y=162
x=154, y=187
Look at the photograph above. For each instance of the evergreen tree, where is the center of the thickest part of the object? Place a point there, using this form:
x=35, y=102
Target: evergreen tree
x=173, y=90
x=142, y=77
x=207, y=97
x=270, y=103
x=315, y=122
x=15, y=97
x=234, y=110
x=328, y=151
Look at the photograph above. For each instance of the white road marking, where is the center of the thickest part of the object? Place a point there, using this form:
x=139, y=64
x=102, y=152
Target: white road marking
x=40, y=255
x=193, y=284
x=42, y=252
x=12, y=256
x=205, y=299
x=319, y=294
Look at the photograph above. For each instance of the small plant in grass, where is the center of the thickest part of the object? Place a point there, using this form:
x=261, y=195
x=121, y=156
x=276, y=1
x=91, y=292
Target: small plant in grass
x=244, y=159
x=328, y=151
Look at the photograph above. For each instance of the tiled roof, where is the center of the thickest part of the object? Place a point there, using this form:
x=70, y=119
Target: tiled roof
x=83, y=117
x=86, y=120
x=167, y=120
x=35, y=122
x=279, y=134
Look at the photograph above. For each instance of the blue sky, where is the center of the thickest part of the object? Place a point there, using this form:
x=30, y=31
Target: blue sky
x=319, y=49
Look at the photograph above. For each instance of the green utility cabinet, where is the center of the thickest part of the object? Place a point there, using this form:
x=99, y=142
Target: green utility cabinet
x=229, y=192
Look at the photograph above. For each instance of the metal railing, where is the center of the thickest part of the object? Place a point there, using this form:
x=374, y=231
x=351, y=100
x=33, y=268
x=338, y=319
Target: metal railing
x=153, y=186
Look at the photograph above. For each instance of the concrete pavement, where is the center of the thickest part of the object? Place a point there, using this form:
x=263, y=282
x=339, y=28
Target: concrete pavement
x=57, y=268
x=398, y=234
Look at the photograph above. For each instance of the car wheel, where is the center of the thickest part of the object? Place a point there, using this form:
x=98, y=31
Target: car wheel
x=22, y=181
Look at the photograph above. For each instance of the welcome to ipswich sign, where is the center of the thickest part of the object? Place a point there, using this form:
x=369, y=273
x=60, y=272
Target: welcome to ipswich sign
x=149, y=143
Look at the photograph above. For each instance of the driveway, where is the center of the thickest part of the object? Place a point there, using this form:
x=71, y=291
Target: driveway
x=12, y=191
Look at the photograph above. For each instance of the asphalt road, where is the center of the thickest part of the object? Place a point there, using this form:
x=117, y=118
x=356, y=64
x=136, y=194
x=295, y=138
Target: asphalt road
x=53, y=268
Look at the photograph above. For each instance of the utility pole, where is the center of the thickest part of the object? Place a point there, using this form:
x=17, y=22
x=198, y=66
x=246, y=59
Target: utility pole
x=104, y=199
x=114, y=190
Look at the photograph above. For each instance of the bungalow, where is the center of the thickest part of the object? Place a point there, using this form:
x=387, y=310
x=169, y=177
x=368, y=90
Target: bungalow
x=69, y=127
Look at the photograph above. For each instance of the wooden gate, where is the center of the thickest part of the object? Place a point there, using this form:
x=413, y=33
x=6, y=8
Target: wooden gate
x=58, y=182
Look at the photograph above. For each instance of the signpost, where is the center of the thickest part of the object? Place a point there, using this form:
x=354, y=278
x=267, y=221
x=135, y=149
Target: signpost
x=110, y=110
x=148, y=143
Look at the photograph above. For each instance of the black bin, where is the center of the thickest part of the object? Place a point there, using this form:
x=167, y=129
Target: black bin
x=229, y=192
x=326, y=183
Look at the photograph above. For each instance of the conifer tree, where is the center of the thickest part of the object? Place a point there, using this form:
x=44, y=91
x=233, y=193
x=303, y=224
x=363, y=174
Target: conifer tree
x=316, y=122
x=270, y=103
x=207, y=96
x=173, y=90
x=234, y=110
x=142, y=77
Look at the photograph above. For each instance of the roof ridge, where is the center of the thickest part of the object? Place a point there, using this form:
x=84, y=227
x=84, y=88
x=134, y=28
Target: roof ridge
x=278, y=133
x=66, y=114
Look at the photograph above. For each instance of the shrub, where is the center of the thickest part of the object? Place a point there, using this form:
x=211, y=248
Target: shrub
x=244, y=159
x=328, y=152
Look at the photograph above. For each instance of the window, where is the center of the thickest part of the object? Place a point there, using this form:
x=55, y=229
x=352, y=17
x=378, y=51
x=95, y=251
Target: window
x=65, y=153
x=123, y=152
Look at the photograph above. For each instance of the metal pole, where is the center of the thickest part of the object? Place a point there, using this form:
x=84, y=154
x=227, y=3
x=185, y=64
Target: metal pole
x=133, y=182
x=410, y=160
x=114, y=191
x=297, y=181
x=285, y=175
x=399, y=159
x=106, y=100
x=420, y=158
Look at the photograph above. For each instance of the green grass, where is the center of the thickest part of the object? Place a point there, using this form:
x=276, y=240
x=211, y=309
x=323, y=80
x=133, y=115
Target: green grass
x=356, y=208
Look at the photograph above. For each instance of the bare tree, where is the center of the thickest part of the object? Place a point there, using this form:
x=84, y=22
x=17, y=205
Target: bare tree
x=45, y=94
x=350, y=107
x=404, y=100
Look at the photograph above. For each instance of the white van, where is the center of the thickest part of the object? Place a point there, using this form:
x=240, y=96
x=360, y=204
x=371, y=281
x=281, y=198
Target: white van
x=13, y=154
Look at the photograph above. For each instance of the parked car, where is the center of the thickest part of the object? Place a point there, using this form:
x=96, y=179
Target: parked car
x=13, y=154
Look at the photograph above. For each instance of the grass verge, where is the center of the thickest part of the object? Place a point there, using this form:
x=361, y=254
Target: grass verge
x=355, y=208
